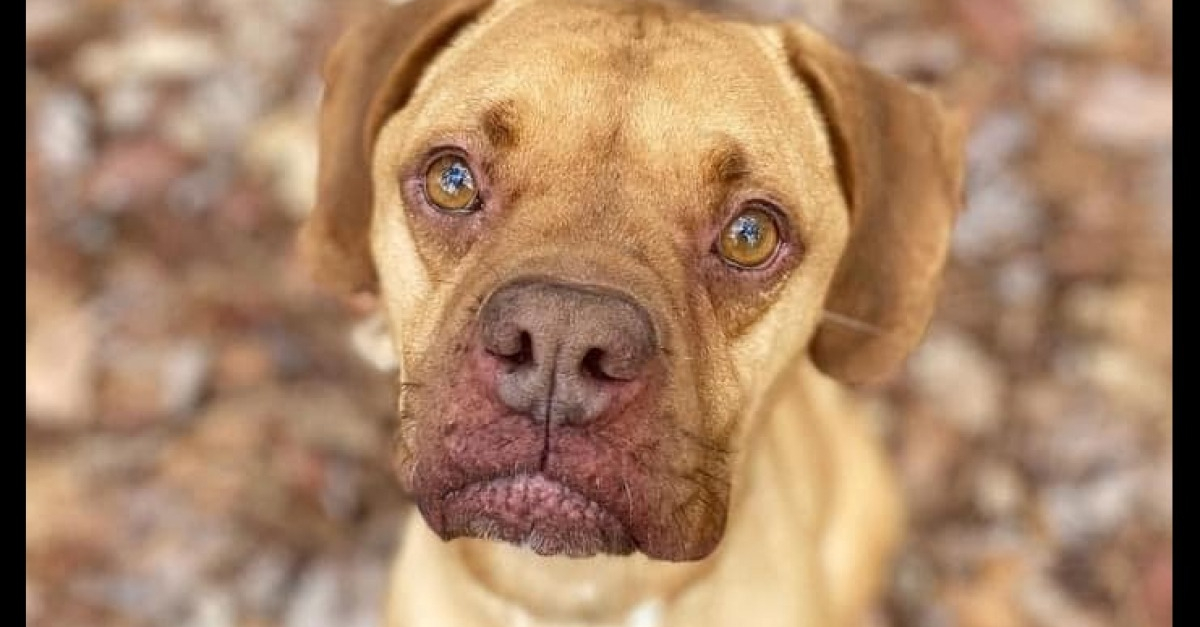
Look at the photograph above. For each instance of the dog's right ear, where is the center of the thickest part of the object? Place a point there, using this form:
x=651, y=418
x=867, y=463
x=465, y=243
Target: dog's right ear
x=370, y=73
x=899, y=155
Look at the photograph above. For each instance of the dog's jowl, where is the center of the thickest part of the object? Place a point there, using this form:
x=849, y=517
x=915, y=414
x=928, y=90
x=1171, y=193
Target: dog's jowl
x=630, y=256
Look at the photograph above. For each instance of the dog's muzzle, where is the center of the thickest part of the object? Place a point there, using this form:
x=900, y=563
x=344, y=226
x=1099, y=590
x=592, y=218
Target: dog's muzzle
x=563, y=353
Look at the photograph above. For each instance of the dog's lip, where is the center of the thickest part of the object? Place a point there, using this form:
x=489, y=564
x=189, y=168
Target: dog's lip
x=535, y=511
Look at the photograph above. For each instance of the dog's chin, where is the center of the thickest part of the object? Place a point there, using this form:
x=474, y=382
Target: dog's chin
x=535, y=512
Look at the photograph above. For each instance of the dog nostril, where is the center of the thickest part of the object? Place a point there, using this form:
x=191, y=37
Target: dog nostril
x=591, y=365
x=516, y=353
x=562, y=353
x=524, y=354
x=614, y=364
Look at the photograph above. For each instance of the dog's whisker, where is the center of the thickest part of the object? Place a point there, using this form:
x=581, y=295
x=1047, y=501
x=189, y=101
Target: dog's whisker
x=852, y=323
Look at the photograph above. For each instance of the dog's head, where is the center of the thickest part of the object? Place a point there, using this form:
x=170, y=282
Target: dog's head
x=600, y=232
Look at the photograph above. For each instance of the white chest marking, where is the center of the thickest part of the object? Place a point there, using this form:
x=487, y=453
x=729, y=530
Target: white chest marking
x=648, y=614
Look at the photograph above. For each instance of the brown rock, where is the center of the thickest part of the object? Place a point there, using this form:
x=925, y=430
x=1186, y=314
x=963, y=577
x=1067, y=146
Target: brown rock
x=144, y=381
x=1079, y=24
x=133, y=173
x=999, y=27
x=1136, y=314
x=151, y=55
x=62, y=510
x=1000, y=493
x=918, y=54
x=1048, y=605
x=244, y=363
x=282, y=150
x=928, y=453
x=990, y=597
x=1157, y=588
x=1124, y=108
x=955, y=375
x=60, y=354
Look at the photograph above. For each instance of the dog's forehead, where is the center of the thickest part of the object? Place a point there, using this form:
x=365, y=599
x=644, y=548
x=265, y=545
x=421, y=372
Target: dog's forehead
x=623, y=114
x=671, y=79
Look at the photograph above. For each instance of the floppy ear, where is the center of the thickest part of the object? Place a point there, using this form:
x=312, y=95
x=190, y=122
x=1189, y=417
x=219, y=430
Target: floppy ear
x=899, y=158
x=369, y=74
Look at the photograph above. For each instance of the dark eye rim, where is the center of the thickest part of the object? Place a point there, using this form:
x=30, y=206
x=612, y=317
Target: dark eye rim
x=431, y=158
x=782, y=233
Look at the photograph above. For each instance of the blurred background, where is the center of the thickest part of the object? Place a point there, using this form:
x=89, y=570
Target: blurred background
x=204, y=449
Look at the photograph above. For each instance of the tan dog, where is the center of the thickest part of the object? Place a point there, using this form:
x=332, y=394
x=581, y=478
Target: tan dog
x=625, y=252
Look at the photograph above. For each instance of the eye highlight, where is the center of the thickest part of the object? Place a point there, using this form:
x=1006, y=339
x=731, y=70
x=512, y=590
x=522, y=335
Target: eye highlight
x=750, y=239
x=450, y=185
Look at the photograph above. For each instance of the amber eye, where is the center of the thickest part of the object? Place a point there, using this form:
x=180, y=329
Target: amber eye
x=750, y=239
x=450, y=185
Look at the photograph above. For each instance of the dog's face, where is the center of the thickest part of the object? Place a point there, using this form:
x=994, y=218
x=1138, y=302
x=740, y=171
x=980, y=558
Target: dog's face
x=600, y=233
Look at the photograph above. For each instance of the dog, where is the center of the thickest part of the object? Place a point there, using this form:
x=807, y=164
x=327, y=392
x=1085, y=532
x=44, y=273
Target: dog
x=629, y=258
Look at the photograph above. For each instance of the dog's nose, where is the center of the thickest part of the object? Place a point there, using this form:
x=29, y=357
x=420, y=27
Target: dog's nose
x=564, y=352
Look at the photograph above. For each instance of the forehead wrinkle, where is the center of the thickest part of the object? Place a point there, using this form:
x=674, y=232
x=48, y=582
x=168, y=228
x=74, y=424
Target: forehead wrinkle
x=500, y=124
x=605, y=112
x=727, y=163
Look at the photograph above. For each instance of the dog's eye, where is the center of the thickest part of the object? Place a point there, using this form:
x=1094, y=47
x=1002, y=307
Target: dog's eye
x=750, y=239
x=450, y=185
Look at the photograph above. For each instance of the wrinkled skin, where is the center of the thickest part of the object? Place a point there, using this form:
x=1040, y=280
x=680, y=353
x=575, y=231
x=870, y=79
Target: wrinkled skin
x=607, y=194
x=610, y=144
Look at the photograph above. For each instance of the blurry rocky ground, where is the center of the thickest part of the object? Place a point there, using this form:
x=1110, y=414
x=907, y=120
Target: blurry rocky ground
x=204, y=450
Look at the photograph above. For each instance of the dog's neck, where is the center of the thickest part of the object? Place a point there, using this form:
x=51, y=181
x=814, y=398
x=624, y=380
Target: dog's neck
x=514, y=586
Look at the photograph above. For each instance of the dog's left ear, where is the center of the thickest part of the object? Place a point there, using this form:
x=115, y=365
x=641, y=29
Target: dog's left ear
x=369, y=74
x=899, y=158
